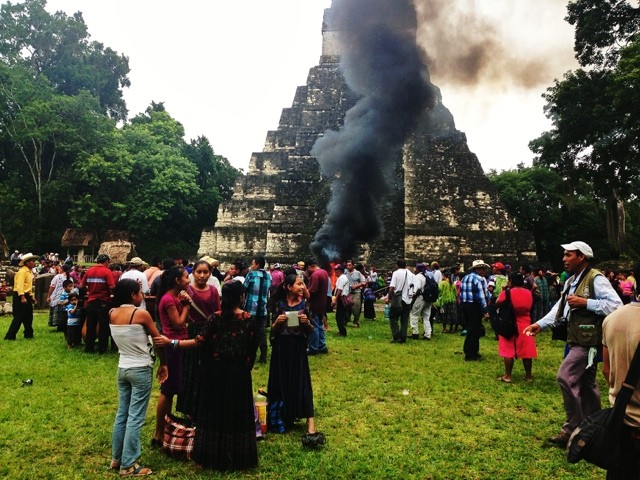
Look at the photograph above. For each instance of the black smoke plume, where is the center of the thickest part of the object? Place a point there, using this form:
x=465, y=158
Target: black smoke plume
x=383, y=64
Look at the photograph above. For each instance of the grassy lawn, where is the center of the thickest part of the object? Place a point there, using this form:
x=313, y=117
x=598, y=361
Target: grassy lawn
x=388, y=411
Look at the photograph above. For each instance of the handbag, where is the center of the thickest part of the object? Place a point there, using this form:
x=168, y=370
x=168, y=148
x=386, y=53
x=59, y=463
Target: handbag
x=347, y=301
x=179, y=435
x=597, y=438
x=503, y=321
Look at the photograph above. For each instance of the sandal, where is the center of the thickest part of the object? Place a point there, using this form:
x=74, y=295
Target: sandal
x=135, y=471
x=503, y=379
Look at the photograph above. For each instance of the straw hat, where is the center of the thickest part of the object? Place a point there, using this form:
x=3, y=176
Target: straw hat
x=27, y=257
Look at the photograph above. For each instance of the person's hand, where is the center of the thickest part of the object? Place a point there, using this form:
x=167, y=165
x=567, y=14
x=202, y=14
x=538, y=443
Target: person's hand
x=386, y=299
x=532, y=330
x=281, y=319
x=161, y=341
x=163, y=373
x=184, y=297
x=23, y=299
x=303, y=318
x=575, y=301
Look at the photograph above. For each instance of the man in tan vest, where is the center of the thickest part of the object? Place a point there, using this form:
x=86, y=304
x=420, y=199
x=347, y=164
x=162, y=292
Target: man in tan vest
x=586, y=299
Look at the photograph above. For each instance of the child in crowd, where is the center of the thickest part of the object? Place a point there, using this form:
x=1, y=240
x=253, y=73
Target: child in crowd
x=73, y=321
x=369, y=304
x=63, y=301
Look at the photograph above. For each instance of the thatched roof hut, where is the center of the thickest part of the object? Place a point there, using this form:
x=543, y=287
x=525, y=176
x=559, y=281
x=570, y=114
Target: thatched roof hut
x=77, y=237
x=120, y=251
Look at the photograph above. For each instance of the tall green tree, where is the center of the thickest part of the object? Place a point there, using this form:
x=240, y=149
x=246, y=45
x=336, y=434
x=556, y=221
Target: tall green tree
x=216, y=177
x=58, y=47
x=42, y=130
x=594, y=138
x=536, y=198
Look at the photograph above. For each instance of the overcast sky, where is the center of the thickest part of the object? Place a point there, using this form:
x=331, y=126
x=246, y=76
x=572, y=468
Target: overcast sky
x=225, y=69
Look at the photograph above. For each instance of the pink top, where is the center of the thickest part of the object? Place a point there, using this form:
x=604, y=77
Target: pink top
x=206, y=300
x=626, y=287
x=168, y=330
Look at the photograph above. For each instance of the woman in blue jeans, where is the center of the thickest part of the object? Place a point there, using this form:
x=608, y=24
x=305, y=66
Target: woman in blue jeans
x=130, y=329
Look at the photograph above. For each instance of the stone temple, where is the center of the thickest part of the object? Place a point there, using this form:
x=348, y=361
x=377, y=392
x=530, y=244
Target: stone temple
x=441, y=206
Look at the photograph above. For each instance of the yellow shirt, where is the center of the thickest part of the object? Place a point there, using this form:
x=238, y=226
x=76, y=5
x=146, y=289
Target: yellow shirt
x=23, y=281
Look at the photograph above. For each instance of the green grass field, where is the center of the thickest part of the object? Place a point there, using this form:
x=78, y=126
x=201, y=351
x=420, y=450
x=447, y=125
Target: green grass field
x=388, y=411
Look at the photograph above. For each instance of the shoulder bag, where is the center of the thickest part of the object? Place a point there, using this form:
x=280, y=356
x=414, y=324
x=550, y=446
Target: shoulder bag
x=597, y=438
x=396, y=298
x=504, y=320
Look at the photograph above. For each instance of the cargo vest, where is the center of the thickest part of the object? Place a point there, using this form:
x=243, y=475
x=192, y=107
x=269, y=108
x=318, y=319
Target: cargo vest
x=584, y=327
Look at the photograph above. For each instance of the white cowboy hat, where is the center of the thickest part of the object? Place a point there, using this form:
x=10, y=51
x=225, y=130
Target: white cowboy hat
x=26, y=257
x=479, y=264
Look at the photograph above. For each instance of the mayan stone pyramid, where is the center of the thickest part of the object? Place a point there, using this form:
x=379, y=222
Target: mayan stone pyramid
x=441, y=206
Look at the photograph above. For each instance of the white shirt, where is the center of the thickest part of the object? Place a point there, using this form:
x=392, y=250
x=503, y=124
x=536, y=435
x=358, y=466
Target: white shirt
x=141, y=278
x=437, y=276
x=402, y=279
x=342, y=284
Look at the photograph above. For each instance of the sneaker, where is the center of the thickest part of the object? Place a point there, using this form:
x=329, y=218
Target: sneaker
x=426, y=338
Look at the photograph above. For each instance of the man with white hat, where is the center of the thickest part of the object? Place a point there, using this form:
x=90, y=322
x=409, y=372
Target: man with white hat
x=586, y=299
x=473, y=302
x=22, y=299
x=135, y=273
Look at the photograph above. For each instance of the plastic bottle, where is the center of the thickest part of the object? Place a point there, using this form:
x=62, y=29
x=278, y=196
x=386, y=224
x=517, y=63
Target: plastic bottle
x=261, y=405
x=386, y=311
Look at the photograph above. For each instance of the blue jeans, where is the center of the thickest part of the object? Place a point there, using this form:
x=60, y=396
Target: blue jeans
x=134, y=391
x=317, y=342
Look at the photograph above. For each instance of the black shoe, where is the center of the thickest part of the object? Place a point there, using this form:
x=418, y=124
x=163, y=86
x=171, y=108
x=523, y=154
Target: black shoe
x=560, y=440
x=262, y=359
x=156, y=443
x=426, y=338
x=472, y=358
x=324, y=350
x=415, y=336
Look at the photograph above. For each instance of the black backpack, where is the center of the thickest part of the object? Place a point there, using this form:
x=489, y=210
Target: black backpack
x=430, y=291
x=503, y=321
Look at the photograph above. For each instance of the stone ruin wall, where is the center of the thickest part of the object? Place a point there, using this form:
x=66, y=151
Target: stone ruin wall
x=440, y=206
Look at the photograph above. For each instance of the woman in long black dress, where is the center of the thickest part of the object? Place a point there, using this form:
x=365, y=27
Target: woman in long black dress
x=225, y=435
x=290, y=394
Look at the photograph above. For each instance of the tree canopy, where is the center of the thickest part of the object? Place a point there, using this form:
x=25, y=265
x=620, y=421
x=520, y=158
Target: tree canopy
x=594, y=110
x=66, y=162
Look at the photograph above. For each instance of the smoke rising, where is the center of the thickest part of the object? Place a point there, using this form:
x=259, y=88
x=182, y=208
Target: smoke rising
x=470, y=43
x=381, y=62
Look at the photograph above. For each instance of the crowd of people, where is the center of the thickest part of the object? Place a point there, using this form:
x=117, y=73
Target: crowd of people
x=210, y=327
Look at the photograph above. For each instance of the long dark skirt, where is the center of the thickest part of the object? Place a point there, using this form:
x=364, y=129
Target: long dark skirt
x=187, y=402
x=369, y=309
x=225, y=435
x=289, y=377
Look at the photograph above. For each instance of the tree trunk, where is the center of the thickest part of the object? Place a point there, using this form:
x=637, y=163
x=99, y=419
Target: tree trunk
x=615, y=225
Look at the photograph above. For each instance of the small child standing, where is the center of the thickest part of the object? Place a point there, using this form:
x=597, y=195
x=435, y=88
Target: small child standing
x=369, y=304
x=73, y=321
x=63, y=301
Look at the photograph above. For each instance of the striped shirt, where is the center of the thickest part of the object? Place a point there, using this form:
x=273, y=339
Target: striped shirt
x=473, y=289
